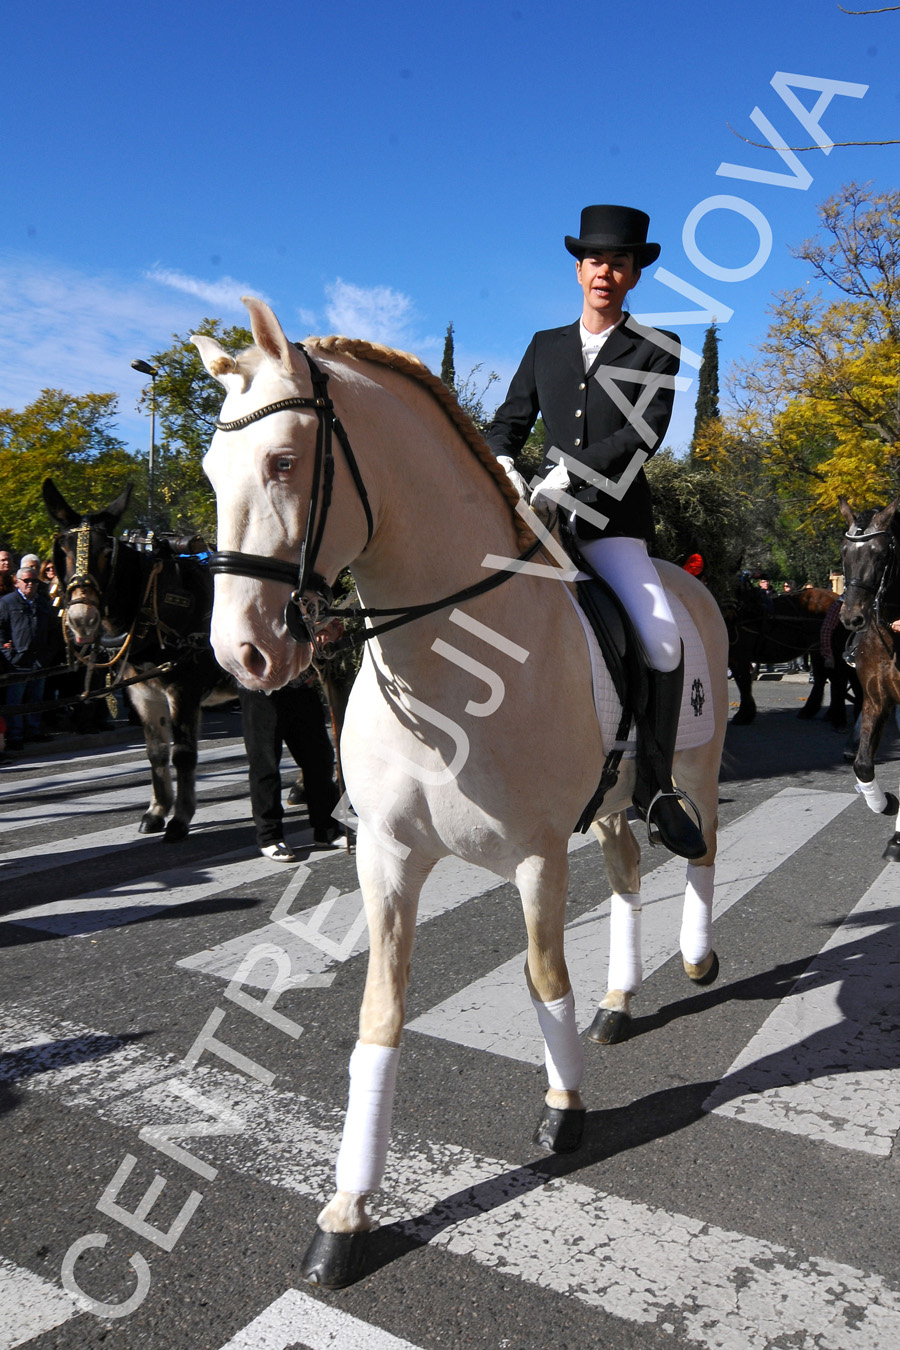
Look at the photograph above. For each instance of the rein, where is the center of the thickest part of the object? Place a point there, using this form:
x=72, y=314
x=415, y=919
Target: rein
x=310, y=607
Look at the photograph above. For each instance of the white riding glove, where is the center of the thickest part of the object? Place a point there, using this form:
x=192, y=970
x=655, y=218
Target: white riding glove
x=513, y=474
x=545, y=498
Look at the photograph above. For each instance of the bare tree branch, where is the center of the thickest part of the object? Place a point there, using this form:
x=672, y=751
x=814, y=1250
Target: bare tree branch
x=764, y=145
x=888, y=9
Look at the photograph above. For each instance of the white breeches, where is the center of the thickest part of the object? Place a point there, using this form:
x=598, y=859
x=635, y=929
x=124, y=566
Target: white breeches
x=625, y=564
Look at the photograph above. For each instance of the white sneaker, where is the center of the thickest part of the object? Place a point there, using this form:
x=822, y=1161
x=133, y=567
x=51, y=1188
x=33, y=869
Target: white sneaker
x=278, y=852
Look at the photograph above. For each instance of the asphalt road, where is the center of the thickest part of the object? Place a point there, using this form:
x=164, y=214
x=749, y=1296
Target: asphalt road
x=738, y=1184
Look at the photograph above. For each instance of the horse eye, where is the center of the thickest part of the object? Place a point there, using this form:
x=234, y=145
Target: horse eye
x=284, y=463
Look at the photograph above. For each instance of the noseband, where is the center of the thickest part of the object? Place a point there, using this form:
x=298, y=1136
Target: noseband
x=309, y=607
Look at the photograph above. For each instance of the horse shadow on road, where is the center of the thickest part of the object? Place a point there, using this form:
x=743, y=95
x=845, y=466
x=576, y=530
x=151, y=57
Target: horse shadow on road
x=854, y=981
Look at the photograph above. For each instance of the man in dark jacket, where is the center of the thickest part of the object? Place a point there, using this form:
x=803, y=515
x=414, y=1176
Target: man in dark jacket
x=25, y=630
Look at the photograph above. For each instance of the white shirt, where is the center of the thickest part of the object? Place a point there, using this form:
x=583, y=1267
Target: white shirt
x=592, y=342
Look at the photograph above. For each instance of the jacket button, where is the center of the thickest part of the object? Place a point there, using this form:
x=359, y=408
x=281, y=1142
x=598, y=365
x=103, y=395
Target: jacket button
x=577, y=441
x=578, y=412
x=582, y=386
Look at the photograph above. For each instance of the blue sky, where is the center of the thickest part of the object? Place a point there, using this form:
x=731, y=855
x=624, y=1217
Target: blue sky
x=383, y=169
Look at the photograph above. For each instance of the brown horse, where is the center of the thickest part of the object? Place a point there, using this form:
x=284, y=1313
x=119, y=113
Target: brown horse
x=765, y=629
x=871, y=602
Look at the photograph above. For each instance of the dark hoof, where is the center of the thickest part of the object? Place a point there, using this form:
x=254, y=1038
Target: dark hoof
x=892, y=852
x=610, y=1026
x=151, y=824
x=334, y=1260
x=560, y=1131
x=711, y=975
x=175, y=831
x=891, y=806
x=805, y=716
x=743, y=719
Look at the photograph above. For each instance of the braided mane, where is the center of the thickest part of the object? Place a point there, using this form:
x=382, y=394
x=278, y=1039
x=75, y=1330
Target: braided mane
x=407, y=364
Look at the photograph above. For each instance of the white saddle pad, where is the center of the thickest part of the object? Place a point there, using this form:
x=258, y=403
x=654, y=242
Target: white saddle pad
x=695, y=724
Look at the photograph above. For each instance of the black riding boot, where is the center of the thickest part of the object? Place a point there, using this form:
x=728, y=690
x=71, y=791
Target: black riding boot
x=665, y=814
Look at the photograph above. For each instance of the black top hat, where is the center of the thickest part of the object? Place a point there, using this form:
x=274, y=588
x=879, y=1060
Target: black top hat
x=614, y=227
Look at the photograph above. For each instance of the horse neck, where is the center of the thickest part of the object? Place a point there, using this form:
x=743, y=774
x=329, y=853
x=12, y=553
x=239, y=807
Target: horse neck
x=439, y=512
x=127, y=585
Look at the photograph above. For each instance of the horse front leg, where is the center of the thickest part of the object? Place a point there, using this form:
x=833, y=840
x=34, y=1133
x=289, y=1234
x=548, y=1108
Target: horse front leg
x=622, y=857
x=184, y=716
x=874, y=715
x=543, y=884
x=391, y=888
x=151, y=706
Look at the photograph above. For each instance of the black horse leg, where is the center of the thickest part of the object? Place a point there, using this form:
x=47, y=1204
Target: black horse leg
x=814, y=701
x=743, y=678
x=152, y=708
x=185, y=717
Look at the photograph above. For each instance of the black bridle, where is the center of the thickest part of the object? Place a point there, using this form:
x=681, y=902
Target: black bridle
x=888, y=575
x=309, y=607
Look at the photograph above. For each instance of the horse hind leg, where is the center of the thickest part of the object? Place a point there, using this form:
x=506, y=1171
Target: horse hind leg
x=698, y=958
x=153, y=710
x=622, y=856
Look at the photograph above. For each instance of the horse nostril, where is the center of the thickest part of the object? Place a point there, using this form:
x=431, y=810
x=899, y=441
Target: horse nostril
x=252, y=660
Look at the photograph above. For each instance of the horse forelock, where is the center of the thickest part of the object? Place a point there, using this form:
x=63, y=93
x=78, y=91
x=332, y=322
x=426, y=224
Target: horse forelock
x=404, y=363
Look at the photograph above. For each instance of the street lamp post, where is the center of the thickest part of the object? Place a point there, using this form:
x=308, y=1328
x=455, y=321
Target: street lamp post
x=145, y=368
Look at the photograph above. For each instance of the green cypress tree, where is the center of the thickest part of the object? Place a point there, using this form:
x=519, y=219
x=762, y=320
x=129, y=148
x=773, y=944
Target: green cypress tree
x=448, y=370
x=707, y=405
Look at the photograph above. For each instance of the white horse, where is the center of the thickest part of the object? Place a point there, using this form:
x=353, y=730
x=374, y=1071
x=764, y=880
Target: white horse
x=420, y=511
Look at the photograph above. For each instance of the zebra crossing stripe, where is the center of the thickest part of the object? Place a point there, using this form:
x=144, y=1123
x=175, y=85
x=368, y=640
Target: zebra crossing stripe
x=674, y=1272
x=90, y=770
x=29, y=1305
x=824, y=1063
x=495, y=1014
x=297, y=1319
x=317, y=947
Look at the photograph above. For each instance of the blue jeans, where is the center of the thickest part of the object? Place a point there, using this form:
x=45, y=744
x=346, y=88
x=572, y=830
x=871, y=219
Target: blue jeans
x=19, y=726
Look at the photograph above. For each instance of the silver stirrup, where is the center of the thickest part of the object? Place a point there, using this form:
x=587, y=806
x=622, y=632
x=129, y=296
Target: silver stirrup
x=654, y=839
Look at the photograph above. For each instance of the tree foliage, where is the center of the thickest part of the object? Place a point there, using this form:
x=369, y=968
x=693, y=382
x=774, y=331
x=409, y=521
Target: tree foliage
x=188, y=400
x=448, y=369
x=70, y=439
x=817, y=413
x=697, y=512
x=707, y=406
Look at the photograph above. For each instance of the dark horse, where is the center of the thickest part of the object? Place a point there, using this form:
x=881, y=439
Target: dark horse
x=871, y=603
x=766, y=629
x=159, y=606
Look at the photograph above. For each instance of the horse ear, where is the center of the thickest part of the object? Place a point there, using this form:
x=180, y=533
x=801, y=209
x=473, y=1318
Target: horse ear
x=58, y=507
x=220, y=364
x=269, y=336
x=882, y=519
x=845, y=511
x=113, y=513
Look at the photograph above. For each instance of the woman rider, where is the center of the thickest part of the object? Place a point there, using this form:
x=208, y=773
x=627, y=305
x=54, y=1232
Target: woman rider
x=604, y=386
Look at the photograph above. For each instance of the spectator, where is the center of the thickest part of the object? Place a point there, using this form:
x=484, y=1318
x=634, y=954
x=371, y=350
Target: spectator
x=293, y=715
x=25, y=627
x=7, y=572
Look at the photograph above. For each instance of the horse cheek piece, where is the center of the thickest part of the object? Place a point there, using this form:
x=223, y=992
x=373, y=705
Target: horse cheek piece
x=871, y=599
x=434, y=767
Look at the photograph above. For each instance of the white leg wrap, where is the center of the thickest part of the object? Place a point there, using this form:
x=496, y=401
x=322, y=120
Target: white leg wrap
x=367, y=1126
x=563, y=1051
x=625, y=970
x=696, y=917
x=875, y=799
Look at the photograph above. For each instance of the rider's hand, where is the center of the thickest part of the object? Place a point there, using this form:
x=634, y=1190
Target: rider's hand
x=513, y=474
x=545, y=498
